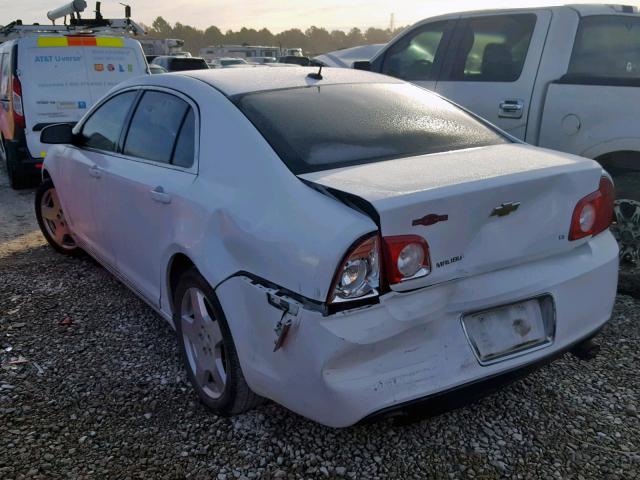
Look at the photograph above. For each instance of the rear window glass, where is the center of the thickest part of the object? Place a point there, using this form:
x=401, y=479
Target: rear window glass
x=181, y=64
x=320, y=128
x=607, y=46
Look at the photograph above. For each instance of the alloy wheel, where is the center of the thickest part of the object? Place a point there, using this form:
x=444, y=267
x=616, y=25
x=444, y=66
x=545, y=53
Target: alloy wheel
x=54, y=220
x=203, y=343
x=627, y=230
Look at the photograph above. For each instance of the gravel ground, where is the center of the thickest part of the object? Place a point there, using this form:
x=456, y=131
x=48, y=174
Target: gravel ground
x=91, y=386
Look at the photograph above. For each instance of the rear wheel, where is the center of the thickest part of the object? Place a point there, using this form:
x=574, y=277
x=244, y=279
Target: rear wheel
x=207, y=348
x=52, y=221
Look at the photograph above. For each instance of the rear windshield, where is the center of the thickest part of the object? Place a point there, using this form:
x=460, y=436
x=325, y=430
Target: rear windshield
x=332, y=126
x=181, y=64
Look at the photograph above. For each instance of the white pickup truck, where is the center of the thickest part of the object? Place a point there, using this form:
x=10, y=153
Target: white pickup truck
x=565, y=78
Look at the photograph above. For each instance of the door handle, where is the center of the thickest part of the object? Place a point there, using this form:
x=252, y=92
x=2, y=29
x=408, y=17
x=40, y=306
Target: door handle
x=511, y=109
x=159, y=195
x=95, y=171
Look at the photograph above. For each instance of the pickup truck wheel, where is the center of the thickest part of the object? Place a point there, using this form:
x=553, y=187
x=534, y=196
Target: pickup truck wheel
x=52, y=221
x=207, y=348
x=627, y=230
x=627, y=211
x=624, y=168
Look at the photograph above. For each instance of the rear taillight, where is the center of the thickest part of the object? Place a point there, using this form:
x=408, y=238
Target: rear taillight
x=18, y=112
x=594, y=213
x=358, y=276
x=406, y=258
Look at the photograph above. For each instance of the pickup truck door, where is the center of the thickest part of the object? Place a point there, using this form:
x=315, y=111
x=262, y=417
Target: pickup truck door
x=492, y=64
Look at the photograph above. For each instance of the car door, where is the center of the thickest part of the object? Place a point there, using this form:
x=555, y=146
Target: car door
x=418, y=55
x=493, y=65
x=148, y=186
x=82, y=177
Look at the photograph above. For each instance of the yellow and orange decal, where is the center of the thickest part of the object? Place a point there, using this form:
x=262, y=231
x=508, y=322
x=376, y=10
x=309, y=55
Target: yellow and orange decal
x=81, y=42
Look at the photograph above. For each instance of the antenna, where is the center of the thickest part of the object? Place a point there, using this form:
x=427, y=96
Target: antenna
x=127, y=10
x=316, y=76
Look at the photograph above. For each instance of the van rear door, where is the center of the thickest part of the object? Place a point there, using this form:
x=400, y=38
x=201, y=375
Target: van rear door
x=63, y=76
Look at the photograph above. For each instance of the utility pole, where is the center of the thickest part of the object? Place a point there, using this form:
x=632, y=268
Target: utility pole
x=392, y=22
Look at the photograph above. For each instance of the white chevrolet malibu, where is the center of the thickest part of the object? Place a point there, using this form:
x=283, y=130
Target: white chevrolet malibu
x=345, y=244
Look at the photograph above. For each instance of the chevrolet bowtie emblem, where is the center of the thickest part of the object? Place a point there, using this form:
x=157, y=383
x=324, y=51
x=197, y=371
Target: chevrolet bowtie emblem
x=505, y=209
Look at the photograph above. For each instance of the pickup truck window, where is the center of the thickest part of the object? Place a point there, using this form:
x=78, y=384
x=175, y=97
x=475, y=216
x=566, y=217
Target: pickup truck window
x=607, y=46
x=412, y=58
x=492, y=48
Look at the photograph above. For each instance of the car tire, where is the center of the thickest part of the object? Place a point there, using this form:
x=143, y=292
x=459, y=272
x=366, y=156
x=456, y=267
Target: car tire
x=207, y=348
x=627, y=210
x=51, y=220
x=17, y=180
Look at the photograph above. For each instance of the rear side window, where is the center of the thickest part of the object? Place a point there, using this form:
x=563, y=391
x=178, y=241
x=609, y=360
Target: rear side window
x=325, y=127
x=185, y=146
x=492, y=48
x=182, y=64
x=413, y=56
x=155, y=126
x=607, y=46
x=102, y=130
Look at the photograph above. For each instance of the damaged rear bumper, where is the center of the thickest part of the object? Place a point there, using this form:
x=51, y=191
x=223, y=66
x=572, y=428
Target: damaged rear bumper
x=463, y=395
x=342, y=368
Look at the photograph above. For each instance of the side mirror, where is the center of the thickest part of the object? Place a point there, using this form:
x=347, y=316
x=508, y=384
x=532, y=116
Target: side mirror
x=60, y=133
x=362, y=65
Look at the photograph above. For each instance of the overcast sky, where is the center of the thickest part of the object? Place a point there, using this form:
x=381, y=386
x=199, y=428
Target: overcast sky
x=276, y=15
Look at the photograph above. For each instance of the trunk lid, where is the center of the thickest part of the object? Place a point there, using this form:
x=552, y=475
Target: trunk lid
x=469, y=187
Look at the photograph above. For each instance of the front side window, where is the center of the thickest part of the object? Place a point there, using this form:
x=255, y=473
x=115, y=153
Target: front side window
x=325, y=127
x=492, y=48
x=155, y=126
x=412, y=58
x=607, y=46
x=102, y=130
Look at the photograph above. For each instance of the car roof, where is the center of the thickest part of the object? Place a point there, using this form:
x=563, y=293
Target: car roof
x=246, y=80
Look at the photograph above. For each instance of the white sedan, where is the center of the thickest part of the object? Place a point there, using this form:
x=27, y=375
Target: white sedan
x=345, y=244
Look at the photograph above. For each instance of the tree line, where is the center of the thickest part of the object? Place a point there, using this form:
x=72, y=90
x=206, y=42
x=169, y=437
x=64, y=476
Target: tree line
x=313, y=41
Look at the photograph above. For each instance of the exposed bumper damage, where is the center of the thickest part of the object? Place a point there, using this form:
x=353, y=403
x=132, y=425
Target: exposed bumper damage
x=341, y=368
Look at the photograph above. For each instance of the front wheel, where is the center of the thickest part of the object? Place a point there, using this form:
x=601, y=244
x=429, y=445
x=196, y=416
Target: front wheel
x=52, y=221
x=207, y=348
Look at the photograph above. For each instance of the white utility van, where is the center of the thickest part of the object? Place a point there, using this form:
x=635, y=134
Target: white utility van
x=48, y=79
